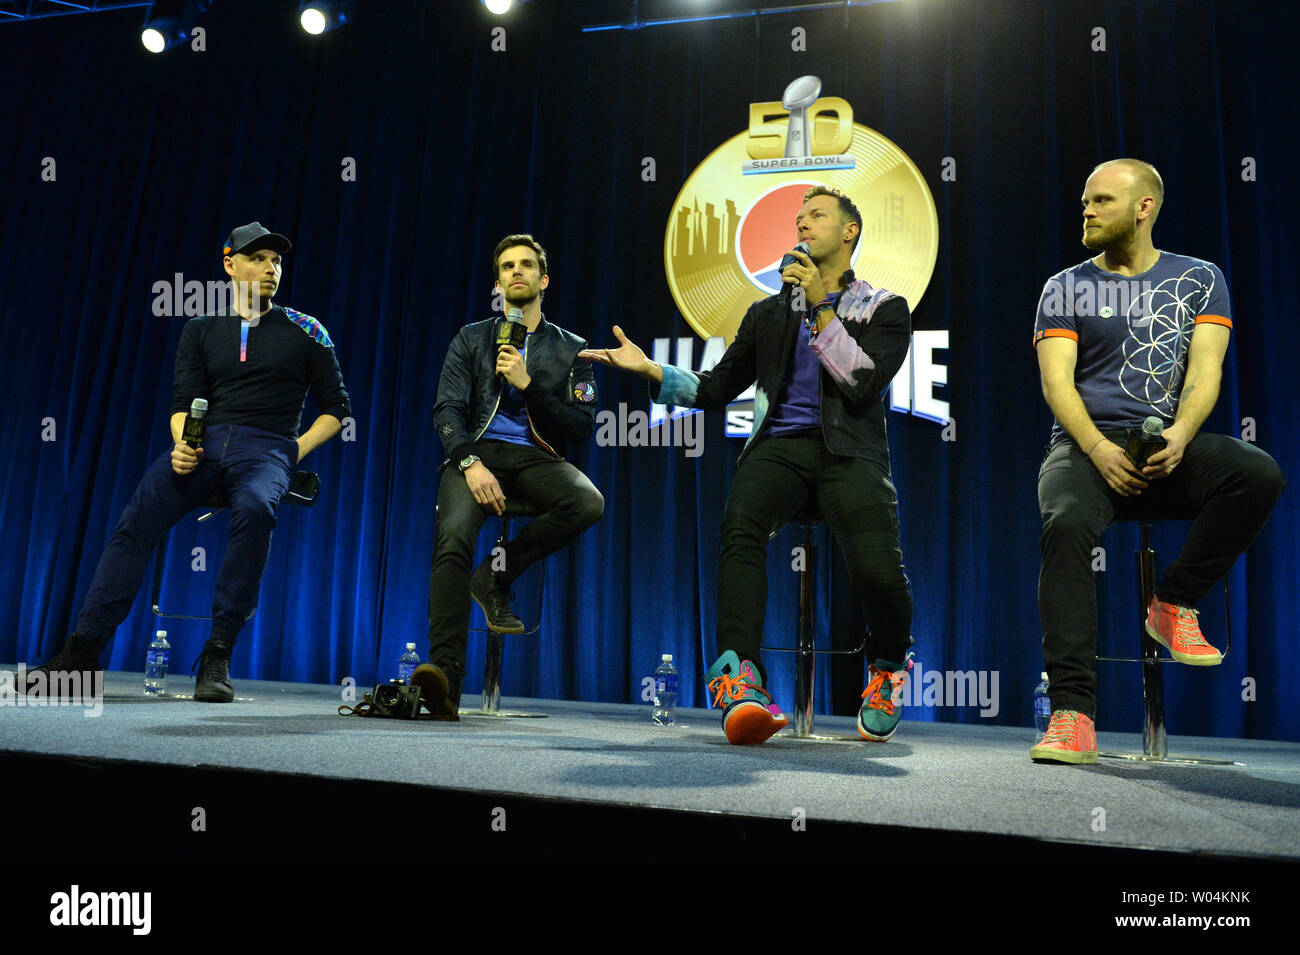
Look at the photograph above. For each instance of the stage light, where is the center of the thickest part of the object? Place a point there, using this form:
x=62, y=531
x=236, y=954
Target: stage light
x=321, y=16
x=170, y=24
x=497, y=6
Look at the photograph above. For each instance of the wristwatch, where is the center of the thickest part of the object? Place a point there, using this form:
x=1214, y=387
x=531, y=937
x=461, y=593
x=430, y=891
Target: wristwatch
x=467, y=461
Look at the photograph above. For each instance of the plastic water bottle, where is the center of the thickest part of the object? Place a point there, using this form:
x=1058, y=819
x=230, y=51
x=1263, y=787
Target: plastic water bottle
x=1042, y=706
x=407, y=663
x=665, y=690
x=156, y=661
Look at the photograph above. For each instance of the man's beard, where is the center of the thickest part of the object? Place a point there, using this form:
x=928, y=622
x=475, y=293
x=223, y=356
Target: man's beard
x=1118, y=237
x=526, y=297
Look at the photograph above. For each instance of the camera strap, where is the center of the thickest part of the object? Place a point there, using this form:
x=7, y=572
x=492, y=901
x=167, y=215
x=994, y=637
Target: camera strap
x=368, y=707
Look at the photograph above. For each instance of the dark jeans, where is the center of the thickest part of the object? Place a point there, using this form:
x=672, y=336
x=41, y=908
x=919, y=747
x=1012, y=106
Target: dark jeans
x=255, y=467
x=856, y=497
x=569, y=503
x=1225, y=487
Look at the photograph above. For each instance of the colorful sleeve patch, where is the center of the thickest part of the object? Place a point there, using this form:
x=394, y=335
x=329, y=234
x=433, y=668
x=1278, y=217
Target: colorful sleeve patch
x=584, y=391
x=311, y=326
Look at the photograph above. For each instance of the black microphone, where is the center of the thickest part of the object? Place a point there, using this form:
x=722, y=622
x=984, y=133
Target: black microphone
x=1142, y=444
x=789, y=259
x=195, y=424
x=511, y=330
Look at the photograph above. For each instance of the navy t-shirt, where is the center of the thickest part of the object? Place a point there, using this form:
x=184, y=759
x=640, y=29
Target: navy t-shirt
x=1133, y=333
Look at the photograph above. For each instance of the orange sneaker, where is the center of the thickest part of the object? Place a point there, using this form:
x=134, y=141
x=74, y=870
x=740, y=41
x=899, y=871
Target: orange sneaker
x=1070, y=738
x=748, y=714
x=1175, y=628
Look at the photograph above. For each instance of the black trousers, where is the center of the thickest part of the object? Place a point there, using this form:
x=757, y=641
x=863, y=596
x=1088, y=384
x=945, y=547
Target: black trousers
x=569, y=503
x=777, y=479
x=1225, y=487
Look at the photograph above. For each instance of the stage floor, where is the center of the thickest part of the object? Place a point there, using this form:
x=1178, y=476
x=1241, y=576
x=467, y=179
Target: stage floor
x=932, y=776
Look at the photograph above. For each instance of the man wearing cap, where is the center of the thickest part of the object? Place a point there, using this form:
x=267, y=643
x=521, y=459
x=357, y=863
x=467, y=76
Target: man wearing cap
x=253, y=363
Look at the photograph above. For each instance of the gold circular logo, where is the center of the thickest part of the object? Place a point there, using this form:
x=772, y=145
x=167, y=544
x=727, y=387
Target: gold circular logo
x=733, y=219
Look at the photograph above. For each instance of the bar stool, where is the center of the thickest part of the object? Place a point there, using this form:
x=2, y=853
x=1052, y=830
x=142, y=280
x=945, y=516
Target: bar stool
x=516, y=507
x=805, y=649
x=303, y=490
x=1154, y=745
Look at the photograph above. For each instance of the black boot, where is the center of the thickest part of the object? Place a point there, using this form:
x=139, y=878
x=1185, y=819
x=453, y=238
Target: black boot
x=78, y=654
x=494, y=600
x=212, y=685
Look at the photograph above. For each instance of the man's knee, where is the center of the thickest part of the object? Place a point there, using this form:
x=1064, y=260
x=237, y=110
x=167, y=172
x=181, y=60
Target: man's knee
x=255, y=510
x=1265, y=479
x=1066, y=525
x=590, y=506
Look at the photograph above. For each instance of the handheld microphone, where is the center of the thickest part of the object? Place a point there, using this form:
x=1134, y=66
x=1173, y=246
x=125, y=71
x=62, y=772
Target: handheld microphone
x=789, y=259
x=512, y=331
x=1142, y=444
x=195, y=424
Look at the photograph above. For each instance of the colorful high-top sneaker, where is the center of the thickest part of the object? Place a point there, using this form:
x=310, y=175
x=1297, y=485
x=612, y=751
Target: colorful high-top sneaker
x=748, y=713
x=1070, y=738
x=878, y=718
x=1175, y=628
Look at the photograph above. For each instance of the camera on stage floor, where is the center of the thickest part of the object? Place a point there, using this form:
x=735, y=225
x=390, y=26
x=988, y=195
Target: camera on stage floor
x=397, y=700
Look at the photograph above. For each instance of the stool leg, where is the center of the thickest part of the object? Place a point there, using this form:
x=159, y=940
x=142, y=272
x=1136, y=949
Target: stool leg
x=806, y=658
x=492, y=673
x=1153, y=688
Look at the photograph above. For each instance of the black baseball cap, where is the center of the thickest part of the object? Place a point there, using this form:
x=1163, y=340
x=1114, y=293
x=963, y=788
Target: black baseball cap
x=254, y=236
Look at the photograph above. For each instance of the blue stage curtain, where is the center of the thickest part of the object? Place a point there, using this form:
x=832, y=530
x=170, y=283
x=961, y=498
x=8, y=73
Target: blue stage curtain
x=455, y=145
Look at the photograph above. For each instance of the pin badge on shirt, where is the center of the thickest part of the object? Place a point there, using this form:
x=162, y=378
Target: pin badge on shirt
x=1107, y=311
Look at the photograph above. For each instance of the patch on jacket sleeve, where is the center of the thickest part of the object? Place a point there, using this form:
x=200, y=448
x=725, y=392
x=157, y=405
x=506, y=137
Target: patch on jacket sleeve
x=311, y=326
x=584, y=392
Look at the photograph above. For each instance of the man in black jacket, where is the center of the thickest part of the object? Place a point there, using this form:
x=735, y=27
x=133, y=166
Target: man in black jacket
x=505, y=417
x=254, y=364
x=821, y=363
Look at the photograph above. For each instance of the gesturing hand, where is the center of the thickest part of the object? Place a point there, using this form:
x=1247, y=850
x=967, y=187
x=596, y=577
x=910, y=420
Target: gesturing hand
x=628, y=356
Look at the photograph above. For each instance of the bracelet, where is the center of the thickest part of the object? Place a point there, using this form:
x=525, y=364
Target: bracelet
x=1096, y=446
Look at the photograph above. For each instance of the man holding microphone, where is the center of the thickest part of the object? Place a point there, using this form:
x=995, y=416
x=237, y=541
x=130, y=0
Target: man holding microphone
x=821, y=358
x=1131, y=334
x=253, y=365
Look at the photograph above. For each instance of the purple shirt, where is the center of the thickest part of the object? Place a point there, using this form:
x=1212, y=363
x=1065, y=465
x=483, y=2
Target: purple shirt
x=799, y=406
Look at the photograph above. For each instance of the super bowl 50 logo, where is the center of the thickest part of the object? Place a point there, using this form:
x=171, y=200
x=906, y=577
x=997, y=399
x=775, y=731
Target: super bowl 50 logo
x=734, y=217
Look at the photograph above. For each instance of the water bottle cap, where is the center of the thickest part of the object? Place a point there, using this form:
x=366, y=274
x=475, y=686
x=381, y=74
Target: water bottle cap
x=161, y=633
x=666, y=658
x=410, y=647
x=1044, y=676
